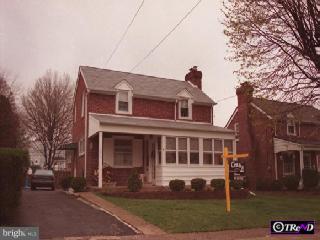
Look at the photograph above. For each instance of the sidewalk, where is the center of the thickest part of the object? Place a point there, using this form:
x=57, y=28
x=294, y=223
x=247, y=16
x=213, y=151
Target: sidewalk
x=138, y=223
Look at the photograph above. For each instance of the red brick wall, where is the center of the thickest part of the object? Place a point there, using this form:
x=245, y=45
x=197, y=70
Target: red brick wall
x=153, y=108
x=201, y=113
x=78, y=129
x=101, y=103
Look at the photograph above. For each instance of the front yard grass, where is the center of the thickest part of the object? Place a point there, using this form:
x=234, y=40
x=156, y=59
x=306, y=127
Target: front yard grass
x=177, y=216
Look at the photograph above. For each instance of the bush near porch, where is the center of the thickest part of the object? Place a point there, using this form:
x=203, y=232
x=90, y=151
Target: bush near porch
x=176, y=216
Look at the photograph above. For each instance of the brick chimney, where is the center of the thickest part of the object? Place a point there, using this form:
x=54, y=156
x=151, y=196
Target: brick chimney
x=195, y=77
x=246, y=141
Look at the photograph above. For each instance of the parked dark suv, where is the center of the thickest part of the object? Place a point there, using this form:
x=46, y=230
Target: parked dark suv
x=42, y=178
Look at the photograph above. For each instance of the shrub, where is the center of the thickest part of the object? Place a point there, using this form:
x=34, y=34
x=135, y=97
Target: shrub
x=236, y=184
x=310, y=178
x=276, y=185
x=134, y=182
x=198, y=184
x=13, y=165
x=65, y=182
x=177, y=185
x=217, y=184
x=263, y=184
x=291, y=182
x=78, y=184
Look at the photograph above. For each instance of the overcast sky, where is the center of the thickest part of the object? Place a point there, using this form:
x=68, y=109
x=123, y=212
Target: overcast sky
x=36, y=35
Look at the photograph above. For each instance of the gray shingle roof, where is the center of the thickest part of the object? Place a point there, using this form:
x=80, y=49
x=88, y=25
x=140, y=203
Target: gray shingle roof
x=156, y=123
x=105, y=80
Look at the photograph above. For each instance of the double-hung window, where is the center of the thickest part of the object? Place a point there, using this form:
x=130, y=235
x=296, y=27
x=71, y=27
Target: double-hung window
x=289, y=165
x=207, y=151
x=124, y=102
x=185, y=109
x=182, y=151
x=218, y=149
x=291, y=128
x=194, y=151
x=171, y=150
x=123, y=152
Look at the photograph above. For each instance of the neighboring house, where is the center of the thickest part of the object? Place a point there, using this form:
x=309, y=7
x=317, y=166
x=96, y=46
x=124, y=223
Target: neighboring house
x=281, y=138
x=161, y=127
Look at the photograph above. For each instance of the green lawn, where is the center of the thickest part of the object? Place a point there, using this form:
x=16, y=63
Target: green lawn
x=209, y=215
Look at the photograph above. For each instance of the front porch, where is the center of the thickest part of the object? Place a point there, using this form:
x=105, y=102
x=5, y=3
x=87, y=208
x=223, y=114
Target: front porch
x=292, y=157
x=160, y=150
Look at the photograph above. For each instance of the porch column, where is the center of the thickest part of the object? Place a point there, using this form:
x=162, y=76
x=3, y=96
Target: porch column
x=276, y=165
x=100, y=160
x=301, y=168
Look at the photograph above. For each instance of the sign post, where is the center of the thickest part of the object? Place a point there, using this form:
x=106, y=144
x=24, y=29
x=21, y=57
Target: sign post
x=226, y=158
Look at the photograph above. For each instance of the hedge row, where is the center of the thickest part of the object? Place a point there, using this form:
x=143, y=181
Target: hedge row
x=13, y=165
x=78, y=184
x=199, y=184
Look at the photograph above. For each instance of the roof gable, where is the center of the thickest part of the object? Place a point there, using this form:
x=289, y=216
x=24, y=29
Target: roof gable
x=104, y=80
x=123, y=85
x=184, y=94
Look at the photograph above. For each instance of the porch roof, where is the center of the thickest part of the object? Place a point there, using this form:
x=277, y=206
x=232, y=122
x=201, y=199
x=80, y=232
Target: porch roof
x=106, y=119
x=281, y=145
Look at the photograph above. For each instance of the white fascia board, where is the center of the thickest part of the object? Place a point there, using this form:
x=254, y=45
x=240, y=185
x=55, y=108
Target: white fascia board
x=232, y=117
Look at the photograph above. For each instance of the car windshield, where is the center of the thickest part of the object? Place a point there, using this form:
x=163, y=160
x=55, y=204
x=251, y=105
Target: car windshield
x=44, y=172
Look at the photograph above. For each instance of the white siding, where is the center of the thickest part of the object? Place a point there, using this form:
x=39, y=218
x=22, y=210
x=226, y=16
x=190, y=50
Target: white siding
x=166, y=173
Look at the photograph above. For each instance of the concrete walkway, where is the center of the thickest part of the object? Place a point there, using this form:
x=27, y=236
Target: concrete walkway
x=138, y=223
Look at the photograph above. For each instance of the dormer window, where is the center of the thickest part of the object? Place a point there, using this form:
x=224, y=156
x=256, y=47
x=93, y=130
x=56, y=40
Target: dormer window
x=291, y=128
x=185, y=109
x=124, y=102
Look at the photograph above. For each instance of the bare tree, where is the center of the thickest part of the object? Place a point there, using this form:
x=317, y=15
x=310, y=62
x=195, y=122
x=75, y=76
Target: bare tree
x=48, y=113
x=277, y=43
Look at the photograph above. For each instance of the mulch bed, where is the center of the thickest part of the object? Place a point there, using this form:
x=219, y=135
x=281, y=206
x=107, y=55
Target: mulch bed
x=168, y=195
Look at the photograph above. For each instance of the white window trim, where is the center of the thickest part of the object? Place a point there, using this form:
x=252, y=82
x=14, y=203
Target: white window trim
x=130, y=96
x=185, y=150
x=193, y=151
x=170, y=150
x=190, y=102
x=309, y=157
x=212, y=152
x=291, y=122
x=81, y=151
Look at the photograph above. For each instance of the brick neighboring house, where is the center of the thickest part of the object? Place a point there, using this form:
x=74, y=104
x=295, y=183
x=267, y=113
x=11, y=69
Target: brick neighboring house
x=282, y=138
x=161, y=127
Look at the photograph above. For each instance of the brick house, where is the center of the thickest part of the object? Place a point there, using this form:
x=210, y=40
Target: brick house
x=161, y=127
x=282, y=138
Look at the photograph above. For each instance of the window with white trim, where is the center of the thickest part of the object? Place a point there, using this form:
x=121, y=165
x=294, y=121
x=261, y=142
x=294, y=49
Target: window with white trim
x=185, y=109
x=207, y=151
x=82, y=104
x=307, y=162
x=291, y=128
x=81, y=147
x=182, y=151
x=218, y=150
x=288, y=167
x=171, y=150
x=194, y=150
x=124, y=102
x=123, y=152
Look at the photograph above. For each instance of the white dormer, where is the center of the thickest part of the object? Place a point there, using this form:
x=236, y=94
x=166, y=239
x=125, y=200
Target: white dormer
x=185, y=104
x=124, y=97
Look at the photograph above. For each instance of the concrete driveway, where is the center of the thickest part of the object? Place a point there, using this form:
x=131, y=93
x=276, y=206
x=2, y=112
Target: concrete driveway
x=60, y=215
